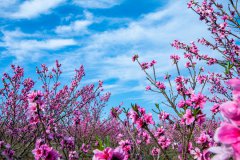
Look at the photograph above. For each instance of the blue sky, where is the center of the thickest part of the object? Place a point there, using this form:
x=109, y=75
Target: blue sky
x=102, y=35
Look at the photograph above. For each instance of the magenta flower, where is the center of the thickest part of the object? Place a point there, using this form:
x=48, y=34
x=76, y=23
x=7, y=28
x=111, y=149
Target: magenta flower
x=73, y=155
x=140, y=122
x=183, y=103
x=159, y=132
x=148, y=88
x=119, y=154
x=106, y=154
x=235, y=84
x=229, y=134
x=37, y=153
x=133, y=115
x=198, y=100
x=45, y=152
x=231, y=111
x=203, y=138
x=125, y=145
x=160, y=85
x=146, y=137
x=148, y=118
x=155, y=151
x=215, y=108
x=109, y=154
x=164, y=142
x=134, y=58
x=52, y=155
x=152, y=63
x=34, y=96
x=201, y=118
x=175, y=58
x=8, y=153
x=196, y=154
x=145, y=65
x=188, y=117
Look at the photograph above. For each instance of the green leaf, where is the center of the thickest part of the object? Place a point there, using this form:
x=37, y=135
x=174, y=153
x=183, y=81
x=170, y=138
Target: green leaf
x=157, y=105
x=107, y=141
x=100, y=143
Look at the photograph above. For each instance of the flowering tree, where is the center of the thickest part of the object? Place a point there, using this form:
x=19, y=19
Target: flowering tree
x=60, y=121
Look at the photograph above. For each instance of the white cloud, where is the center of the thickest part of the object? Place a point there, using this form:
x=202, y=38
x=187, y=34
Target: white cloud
x=6, y=7
x=50, y=44
x=97, y=3
x=76, y=27
x=7, y=3
x=22, y=45
x=34, y=8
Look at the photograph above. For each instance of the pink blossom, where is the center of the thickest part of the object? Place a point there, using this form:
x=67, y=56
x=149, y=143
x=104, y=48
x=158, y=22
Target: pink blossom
x=100, y=83
x=198, y=100
x=175, y=58
x=34, y=96
x=109, y=154
x=146, y=137
x=203, y=138
x=145, y=65
x=190, y=146
x=159, y=132
x=153, y=62
x=229, y=134
x=201, y=118
x=188, y=65
x=45, y=152
x=125, y=145
x=182, y=103
x=201, y=79
x=196, y=154
x=140, y=123
x=224, y=17
x=119, y=154
x=188, y=117
x=231, y=110
x=148, y=118
x=235, y=84
x=141, y=110
x=155, y=151
x=106, y=154
x=163, y=115
x=73, y=155
x=85, y=148
x=160, y=85
x=215, y=109
x=190, y=3
x=134, y=58
x=148, y=88
x=133, y=115
x=164, y=142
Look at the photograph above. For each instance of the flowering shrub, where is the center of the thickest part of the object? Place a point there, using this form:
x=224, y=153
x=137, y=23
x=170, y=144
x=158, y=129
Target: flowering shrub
x=59, y=121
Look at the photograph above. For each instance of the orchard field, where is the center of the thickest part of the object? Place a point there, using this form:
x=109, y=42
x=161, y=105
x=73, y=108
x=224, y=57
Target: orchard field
x=44, y=117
